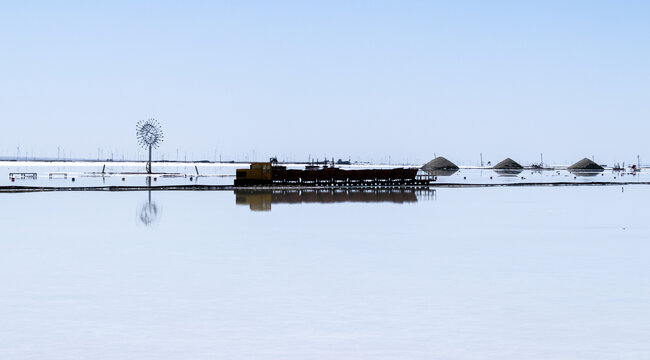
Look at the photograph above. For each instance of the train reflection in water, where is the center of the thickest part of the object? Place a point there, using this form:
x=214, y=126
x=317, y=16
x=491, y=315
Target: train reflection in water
x=261, y=200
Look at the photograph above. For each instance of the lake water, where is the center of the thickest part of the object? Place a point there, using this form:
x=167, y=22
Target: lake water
x=459, y=273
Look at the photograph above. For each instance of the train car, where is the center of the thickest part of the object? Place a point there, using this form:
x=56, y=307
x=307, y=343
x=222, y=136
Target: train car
x=267, y=173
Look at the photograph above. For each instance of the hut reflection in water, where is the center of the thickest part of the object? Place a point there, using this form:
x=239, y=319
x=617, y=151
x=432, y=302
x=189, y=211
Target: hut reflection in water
x=261, y=200
x=441, y=172
x=586, y=173
x=508, y=172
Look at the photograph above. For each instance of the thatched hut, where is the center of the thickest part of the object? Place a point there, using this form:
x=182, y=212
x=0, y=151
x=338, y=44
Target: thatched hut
x=440, y=166
x=508, y=167
x=440, y=163
x=508, y=164
x=586, y=164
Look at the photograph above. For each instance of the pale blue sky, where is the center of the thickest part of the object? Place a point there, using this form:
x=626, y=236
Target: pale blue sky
x=364, y=79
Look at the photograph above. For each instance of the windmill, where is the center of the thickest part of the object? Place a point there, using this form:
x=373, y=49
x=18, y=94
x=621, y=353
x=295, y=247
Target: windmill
x=150, y=135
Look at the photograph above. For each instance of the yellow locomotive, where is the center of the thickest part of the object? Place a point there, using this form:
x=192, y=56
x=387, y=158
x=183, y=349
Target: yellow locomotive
x=259, y=173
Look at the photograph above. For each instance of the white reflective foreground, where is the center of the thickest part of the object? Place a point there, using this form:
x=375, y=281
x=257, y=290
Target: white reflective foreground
x=480, y=273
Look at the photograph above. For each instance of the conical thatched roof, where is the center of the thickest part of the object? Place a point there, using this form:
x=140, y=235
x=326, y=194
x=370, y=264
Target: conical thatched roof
x=440, y=163
x=508, y=164
x=585, y=164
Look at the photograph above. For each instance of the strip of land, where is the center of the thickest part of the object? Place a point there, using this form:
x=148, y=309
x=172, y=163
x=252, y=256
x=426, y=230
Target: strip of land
x=23, y=189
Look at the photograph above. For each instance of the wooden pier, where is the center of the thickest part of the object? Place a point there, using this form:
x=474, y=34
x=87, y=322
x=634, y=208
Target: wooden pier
x=23, y=175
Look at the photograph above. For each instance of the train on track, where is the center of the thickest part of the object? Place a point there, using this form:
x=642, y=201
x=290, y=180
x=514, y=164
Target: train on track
x=267, y=173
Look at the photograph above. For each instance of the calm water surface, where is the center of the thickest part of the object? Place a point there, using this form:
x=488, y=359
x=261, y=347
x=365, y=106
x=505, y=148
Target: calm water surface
x=478, y=273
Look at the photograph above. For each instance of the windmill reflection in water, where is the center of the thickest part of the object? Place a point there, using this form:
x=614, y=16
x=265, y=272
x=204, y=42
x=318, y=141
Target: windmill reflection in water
x=149, y=211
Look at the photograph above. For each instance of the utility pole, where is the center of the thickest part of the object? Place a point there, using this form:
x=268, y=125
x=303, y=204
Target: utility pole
x=149, y=162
